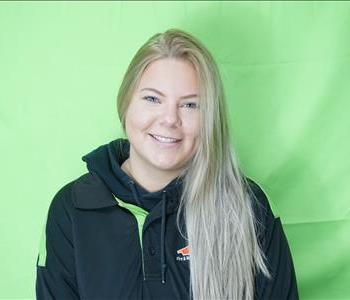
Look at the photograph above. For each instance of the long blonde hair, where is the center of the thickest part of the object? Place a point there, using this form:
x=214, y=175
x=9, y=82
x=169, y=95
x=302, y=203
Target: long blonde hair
x=220, y=223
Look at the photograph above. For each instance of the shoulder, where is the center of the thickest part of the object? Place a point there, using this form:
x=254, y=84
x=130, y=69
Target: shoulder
x=62, y=202
x=262, y=208
x=85, y=192
x=260, y=201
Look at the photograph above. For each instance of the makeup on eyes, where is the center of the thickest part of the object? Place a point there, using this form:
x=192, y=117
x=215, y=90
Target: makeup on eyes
x=192, y=103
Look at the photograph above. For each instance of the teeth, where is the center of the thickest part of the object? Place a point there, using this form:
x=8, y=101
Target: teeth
x=164, y=139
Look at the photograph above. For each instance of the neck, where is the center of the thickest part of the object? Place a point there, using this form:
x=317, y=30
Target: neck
x=150, y=180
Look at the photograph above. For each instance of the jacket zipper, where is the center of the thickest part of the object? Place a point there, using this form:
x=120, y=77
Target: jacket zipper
x=143, y=266
x=139, y=215
x=141, y=247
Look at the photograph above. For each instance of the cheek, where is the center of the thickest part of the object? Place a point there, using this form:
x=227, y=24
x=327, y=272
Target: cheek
x=192, y=127
x=139, y=123
x=136, y=120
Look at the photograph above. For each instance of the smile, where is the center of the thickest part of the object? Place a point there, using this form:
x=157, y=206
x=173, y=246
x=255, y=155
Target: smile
x=165, y=140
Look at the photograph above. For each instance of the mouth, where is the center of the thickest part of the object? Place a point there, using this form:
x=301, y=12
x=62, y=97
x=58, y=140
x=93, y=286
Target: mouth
x=165, y=140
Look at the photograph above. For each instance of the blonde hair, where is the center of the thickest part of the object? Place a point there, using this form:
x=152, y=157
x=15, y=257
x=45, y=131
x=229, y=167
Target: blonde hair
x=220, y=223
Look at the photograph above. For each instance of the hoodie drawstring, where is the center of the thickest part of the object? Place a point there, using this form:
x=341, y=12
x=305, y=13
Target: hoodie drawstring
x=163, y=264
x=162, y=239
x=134, y=193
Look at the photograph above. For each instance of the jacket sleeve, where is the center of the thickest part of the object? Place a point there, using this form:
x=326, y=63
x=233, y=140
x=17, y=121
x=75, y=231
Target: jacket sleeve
x=283, y=284
x=55, y=265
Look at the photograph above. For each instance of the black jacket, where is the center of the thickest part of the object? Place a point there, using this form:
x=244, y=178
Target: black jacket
x=106, y=237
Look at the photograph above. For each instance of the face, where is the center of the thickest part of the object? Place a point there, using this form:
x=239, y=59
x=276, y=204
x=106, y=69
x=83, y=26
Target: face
x=163, y=118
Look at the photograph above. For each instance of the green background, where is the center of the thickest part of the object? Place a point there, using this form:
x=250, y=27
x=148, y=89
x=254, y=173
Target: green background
x=286, y=71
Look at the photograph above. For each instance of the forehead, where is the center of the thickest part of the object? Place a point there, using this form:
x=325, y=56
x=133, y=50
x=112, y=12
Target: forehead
x=170, y=75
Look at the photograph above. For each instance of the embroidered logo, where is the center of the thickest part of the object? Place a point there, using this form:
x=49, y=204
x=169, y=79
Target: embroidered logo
x=184, y=254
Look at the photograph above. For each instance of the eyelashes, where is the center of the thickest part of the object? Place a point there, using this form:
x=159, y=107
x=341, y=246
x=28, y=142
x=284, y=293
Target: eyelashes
x=148, y=97
x=155, y=100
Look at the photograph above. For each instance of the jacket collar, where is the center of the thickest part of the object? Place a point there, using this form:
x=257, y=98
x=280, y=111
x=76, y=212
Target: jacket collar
x=89, y=192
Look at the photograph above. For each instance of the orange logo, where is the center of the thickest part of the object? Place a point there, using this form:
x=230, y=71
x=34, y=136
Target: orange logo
x=184, y=251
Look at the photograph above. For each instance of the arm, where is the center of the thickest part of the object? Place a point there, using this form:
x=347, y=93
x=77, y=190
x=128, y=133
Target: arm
x=55, y=266
x=283, y=284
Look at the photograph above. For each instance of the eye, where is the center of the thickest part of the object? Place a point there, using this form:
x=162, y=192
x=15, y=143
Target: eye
x=149, y=97
x=194, y=105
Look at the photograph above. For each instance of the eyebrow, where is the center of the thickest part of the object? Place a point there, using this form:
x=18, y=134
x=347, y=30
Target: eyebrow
x=160, y=93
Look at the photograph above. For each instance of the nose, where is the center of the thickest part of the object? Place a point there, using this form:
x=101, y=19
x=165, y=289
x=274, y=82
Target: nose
x=170, y=115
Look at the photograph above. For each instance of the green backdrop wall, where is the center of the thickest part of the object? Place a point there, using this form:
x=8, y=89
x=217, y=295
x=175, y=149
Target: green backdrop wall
x=286, y=70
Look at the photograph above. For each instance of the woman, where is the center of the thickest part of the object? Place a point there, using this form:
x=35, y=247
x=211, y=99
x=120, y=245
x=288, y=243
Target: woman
x=165, y=213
